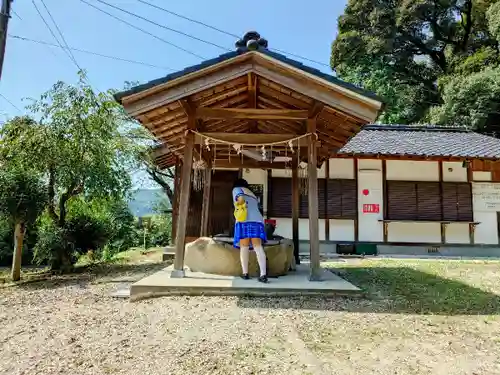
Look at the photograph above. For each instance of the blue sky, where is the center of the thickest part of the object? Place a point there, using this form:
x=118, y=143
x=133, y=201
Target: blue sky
x=303, y=28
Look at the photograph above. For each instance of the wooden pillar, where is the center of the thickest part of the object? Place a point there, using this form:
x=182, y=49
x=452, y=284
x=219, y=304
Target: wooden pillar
x=295, y=209
x=185, y=190
x=385, y=200
x=269, y=192
x=470, y=179
x=312, y=159
x=443, y=225
x=356, y=219
x=327, y=219
x=205, y=209
x=175, y=203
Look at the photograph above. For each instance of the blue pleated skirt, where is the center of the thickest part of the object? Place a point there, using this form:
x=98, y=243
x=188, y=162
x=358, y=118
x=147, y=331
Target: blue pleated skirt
x=248, y=230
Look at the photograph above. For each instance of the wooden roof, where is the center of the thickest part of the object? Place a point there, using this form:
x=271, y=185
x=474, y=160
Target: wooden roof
x=266, y=96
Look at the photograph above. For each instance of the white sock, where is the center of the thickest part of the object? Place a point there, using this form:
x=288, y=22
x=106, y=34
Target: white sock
x=244, y=256
x=261, y=259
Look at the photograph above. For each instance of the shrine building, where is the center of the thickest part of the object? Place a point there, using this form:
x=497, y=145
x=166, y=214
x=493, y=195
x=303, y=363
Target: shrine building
x=306, y=142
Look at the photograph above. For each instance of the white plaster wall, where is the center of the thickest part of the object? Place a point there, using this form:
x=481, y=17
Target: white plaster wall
x=341, y=230
x=454, y=171
x=414, y=232
x=457, y=233
x=288, y=172
x=486, y=232
x=481, y=176
x=370, y=177
x=409, y=170
x=284, y=228
x=341, y=168
x=281, y=173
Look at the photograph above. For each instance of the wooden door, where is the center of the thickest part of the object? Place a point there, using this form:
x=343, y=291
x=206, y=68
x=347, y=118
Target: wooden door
x=221, y=219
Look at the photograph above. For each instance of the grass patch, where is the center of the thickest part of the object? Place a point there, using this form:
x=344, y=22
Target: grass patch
x=423, y=286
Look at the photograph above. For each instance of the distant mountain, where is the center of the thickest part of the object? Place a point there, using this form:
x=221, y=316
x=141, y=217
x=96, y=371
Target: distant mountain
x=144, y=201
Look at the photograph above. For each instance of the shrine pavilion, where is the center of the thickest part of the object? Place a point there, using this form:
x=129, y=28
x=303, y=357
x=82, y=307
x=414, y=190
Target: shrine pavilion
x=302, y=139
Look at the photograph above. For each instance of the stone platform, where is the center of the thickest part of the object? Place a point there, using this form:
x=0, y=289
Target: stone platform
x=197, y=283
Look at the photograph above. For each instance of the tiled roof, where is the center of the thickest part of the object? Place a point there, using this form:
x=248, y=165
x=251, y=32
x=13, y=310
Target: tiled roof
x=422, y=141
x=227, y=56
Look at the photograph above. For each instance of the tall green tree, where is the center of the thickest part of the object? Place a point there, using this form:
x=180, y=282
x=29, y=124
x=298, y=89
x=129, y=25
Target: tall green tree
x=22, y=200
x=80, y=143
x=414, y=47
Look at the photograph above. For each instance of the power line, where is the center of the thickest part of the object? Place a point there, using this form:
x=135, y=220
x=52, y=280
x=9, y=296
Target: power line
x=93, y=53
x=189, y=19
x=224, y=31
x=300, y=57
x=17, y=15
x=163, y=26
x=68, y=53
x=12, y=104
x=61, y=34
x=142, y=30
x=52, y=33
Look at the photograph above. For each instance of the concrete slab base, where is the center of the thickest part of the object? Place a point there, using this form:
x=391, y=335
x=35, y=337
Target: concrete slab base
x=122, y=291
x=196, y=283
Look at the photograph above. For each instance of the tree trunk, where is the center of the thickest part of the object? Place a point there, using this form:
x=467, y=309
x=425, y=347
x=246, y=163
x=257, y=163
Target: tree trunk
x=61, y=262
x=18, y=251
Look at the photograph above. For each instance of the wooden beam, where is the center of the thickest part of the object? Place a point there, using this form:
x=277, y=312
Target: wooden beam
x=237, y=163
x=205, y=210
x=251, y=113
x=312, y=170
x=269, y=176
x=295, y=209
x=252, y=97
x=270, y=92
x=327, y=219
x=175, y=208
x=385, y=195
x=311, y=89
x=441, y=189
x=187, y=107
x=185, y=190
x=316, y=109
x=356, y=220
x=160, y=98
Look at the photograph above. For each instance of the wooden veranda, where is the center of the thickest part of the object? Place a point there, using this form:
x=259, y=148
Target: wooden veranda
x=251, y=96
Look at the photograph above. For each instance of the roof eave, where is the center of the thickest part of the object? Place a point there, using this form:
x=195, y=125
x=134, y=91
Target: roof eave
x=232, y=57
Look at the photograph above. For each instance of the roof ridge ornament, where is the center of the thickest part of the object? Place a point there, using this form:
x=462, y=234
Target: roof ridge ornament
x=251, y=41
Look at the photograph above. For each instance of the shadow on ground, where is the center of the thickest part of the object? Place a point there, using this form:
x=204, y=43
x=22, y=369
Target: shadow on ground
x=95, y=274
x=399, y=290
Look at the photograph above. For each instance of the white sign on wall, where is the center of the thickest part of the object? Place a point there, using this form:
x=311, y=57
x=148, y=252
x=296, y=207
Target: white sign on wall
x=486, y=196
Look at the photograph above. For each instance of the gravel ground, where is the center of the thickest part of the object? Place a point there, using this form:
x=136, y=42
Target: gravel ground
x=73, y=327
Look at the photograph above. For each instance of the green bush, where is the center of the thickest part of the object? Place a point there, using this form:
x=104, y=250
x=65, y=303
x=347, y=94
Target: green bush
x=87, y=232
x=159, y=231
x=53, y=245
x=103, y=226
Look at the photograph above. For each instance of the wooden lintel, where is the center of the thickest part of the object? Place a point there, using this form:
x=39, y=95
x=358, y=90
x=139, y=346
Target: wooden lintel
x=252, y=164
x=251, y=113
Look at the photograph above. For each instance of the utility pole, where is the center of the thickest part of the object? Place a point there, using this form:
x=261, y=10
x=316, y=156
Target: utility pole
x=4, y=22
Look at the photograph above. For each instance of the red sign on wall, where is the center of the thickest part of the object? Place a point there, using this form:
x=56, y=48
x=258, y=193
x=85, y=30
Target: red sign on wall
x=371, y=208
